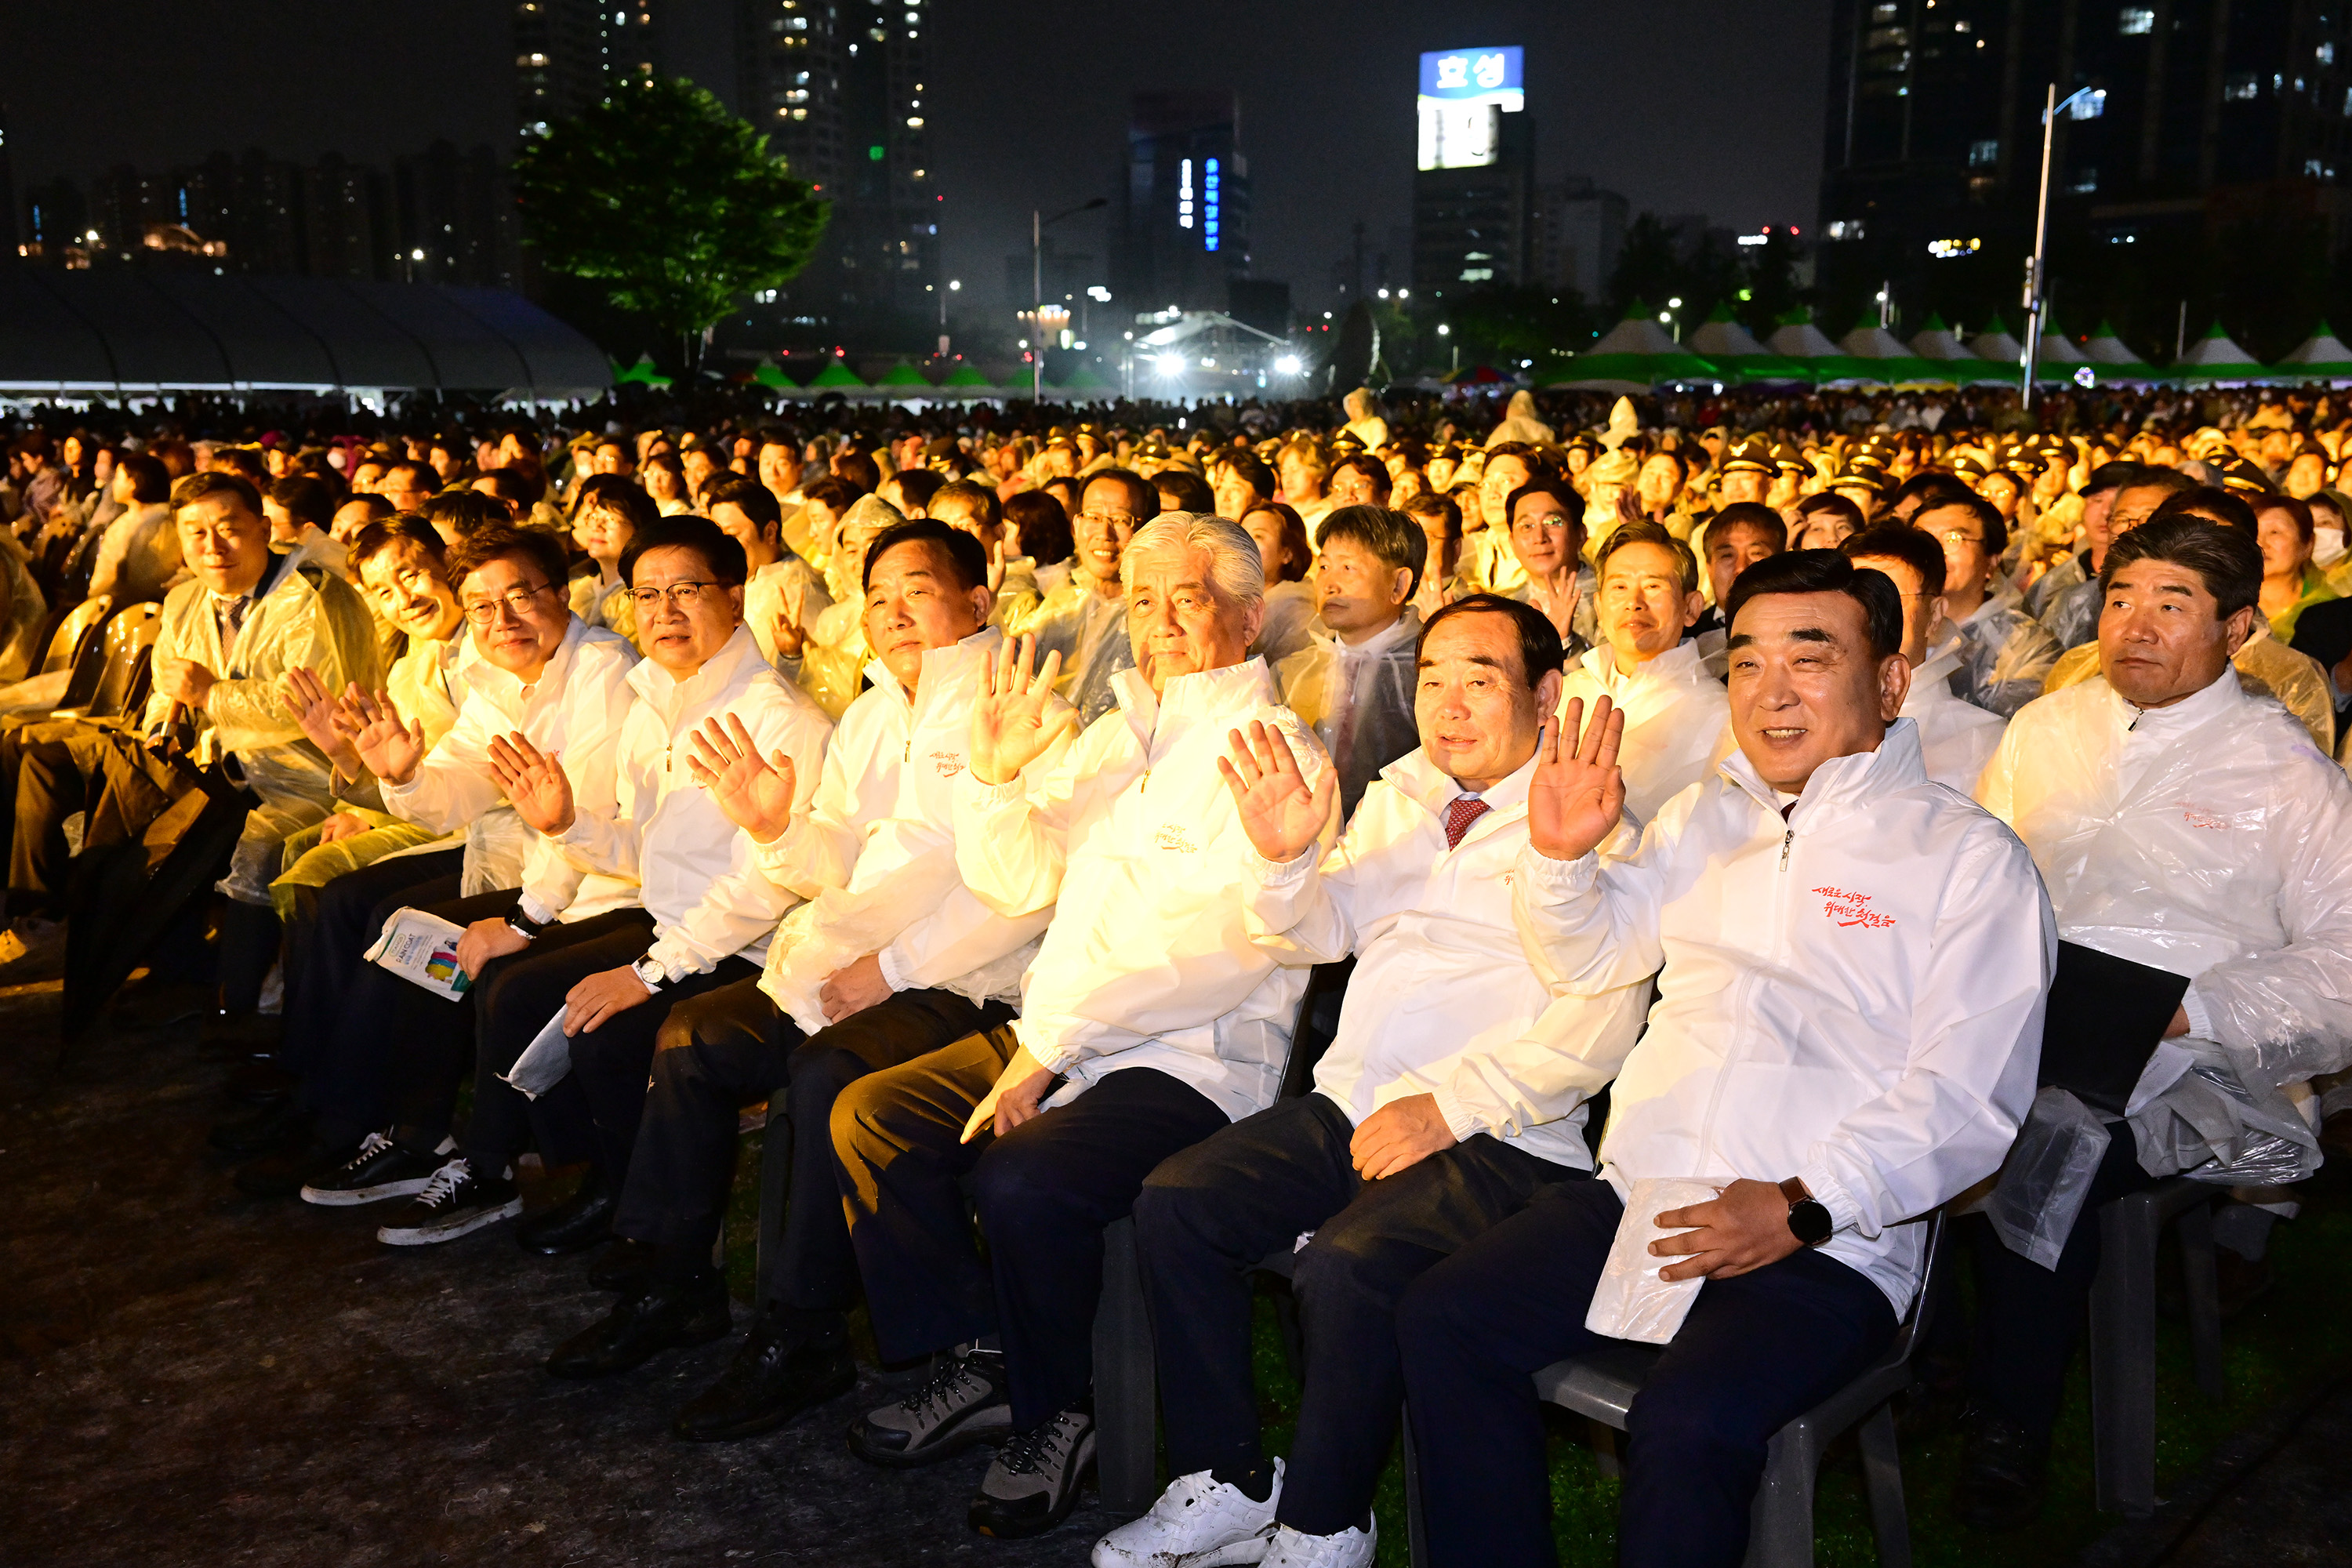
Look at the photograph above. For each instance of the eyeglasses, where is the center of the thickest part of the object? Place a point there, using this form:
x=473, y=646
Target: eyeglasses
x=1108, y=522
x=1549, y=520
x=678, y=594
x=1954, y=536
x=517, y=601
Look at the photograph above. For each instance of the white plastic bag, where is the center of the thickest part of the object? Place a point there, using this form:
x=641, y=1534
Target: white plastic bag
x=2047, y=1175
x=545, y=1061
x=1631, y=1302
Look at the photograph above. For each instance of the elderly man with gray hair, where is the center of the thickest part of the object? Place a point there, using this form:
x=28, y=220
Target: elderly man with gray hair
x=1149, y=1020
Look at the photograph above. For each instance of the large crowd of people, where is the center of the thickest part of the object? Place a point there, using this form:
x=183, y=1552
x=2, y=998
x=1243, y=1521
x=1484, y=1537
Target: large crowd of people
x=1651, y=841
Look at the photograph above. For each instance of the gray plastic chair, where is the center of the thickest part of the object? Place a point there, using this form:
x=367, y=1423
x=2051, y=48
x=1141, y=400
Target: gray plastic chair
x=2123, y=1333
x=1601, y=1387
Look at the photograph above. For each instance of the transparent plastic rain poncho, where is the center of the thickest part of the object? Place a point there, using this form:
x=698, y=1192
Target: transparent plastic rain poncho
x=2213, y=840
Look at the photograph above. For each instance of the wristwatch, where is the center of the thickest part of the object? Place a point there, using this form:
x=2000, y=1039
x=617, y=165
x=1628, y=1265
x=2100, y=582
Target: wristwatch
x=522, y=925
x=1808, y=1222
x=651, y=972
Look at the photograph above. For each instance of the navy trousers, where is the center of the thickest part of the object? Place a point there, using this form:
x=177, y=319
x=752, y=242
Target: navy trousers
x=1756, y=1352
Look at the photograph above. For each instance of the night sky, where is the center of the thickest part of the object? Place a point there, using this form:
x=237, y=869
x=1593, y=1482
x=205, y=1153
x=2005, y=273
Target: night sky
x=1712, y=105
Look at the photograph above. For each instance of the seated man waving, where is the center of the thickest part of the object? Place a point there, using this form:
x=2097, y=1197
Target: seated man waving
x=1854, y=961
x=1455, y=1088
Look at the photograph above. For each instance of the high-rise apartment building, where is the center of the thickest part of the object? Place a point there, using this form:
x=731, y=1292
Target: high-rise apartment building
x=1580, y=228
x=1182, y=234
x=1474, y=184
x=839, y=87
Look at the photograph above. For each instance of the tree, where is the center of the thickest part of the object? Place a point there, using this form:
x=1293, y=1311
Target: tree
x=674, y=206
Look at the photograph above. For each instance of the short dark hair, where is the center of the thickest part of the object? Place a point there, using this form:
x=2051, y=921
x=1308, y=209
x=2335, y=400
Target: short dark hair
x=2228, y=559
x=1561, y=490
x=992, y=510
x=465, y=511
x=1393, y=537
x=1986, y=515
x=378, y=507
x=409, y=532
x=1142, y=495
x=1371, y=468
x=212, y=483
x=1430, y=503
x=2111, y=477
x=1933, y=482
x=918, y=486
x=611, y=492
x=1645, y=531
x=722, y=552
x=963, y=551
x=775, y=435
x=1836, y=505
x=832, y=491
x=757, y=501
x=1894, y=541
x=306, y=500
x=2208, y=501
x=1250, y=470
x=2171, y=482
x=1824, y=572
x=1181, y=489
x=859, y=471
x=514, y=488
x=150, y=481
x=426, y=480
x=504, y=541
x=1539, y=645
x=2297, y=512
x=1297, y=551
x=1044, y=526
x=1749, y=514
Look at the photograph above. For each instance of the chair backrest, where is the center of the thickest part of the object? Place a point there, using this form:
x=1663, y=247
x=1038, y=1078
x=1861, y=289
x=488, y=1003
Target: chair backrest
x=130, y=646
x=79, y=646
x=1923, y=1305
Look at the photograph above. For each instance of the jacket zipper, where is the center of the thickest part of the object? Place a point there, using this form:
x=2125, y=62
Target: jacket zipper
x=1732, y=1052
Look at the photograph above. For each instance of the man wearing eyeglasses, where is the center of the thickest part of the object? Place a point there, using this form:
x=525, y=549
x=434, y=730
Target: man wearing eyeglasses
x=2004, y=652
x=1085, y=618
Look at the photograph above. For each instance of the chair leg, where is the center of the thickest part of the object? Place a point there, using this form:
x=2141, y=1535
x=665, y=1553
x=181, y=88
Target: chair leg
x=1781, y=1522
x=1416, y=1525
x=2204, y=1291
x=1882, y=1476
x=1605, y=1456
x=2123, y=1360
x=775, y=1188
x=1127, y=1418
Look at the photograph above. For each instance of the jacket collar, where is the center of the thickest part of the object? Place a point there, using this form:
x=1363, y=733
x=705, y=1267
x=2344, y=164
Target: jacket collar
x=1206, y=696
x=2190, y=712
x=1679, y=664
x=943, y=668
x=1930, y=683
x=718, y=674
x=1403, y=629
x=1841, y=785
x=1423, y=780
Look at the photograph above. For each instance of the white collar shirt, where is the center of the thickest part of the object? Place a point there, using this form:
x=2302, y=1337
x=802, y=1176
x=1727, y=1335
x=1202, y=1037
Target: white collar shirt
x=1677, y=720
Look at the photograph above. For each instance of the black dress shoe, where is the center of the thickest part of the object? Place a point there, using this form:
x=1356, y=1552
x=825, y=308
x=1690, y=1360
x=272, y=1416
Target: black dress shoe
x=2002, y=1470
x=622, y=1264
x=260, y=1081
x=782, y=1370
x=576, y=1224
x=234, y=1037
x=283, y=1174
x=274, y=1128
x=664, y=1314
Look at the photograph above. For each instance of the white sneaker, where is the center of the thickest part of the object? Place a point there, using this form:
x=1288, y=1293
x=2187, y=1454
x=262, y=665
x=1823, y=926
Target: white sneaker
x=1198, y=1522
x=1351, y=1548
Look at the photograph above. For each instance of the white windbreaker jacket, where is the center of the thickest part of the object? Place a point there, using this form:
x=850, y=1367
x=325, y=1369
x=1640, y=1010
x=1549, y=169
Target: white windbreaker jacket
x=665, y=840
x=1677, y=720
x=1148, y=962
x=573, y=711
x=2210, y=839
x=875, y=851
x=1957, y=738
x=1444, y=1000
x=1852, y=996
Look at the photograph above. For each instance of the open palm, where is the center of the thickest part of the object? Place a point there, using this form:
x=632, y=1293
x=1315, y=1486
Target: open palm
x=756, y=794
x=390, y=748
x=534, y=781
x=1577, y=793
x=1279, y=810
x=1016, y=718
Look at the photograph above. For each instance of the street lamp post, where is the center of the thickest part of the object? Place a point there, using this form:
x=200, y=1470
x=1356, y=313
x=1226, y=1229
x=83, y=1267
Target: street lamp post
x=1037, y=228
x=2037, y=294
x=952, y=283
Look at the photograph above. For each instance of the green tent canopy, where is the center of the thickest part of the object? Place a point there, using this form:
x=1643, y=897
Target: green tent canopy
x=903, y=375
x=1995, y=346
x=2320, y=357
x=1731, y=348
x=2214, y=359
x=2112, y=360
x=1890, y=359
x=1632, y=356
x=967, y=374
x=642, y=373
x=1939, y=345
x=835, y=374
x=771, y=373
x=1796, y=338
x=1083, y=379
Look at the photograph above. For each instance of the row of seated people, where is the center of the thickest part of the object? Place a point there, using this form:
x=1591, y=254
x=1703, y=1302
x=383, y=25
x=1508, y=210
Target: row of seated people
x=1050, y=970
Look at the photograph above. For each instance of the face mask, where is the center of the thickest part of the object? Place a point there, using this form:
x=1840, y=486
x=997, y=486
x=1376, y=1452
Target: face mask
x=2326, y=546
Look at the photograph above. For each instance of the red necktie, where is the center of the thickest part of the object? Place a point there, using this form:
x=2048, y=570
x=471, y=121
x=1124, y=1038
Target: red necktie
x=1466, y=810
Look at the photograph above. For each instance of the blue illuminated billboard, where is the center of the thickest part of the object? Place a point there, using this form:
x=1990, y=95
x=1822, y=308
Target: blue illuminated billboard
x=1464, y=95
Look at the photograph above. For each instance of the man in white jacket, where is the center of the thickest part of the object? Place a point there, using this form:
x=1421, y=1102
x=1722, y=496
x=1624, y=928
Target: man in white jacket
x=1149, y=1002
x=2186, y=826
x=1353, y=682
x=1956, y=738
x=892, y=958
x=1455, y=1088
x=1854, y=961
x=691, y=913
x=1676, y=723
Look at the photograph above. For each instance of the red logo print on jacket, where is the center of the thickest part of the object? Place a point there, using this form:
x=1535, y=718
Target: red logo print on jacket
x=1852, y=909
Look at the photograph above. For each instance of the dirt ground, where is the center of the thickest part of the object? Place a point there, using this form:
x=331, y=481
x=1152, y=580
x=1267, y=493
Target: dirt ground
x=189, y=1377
